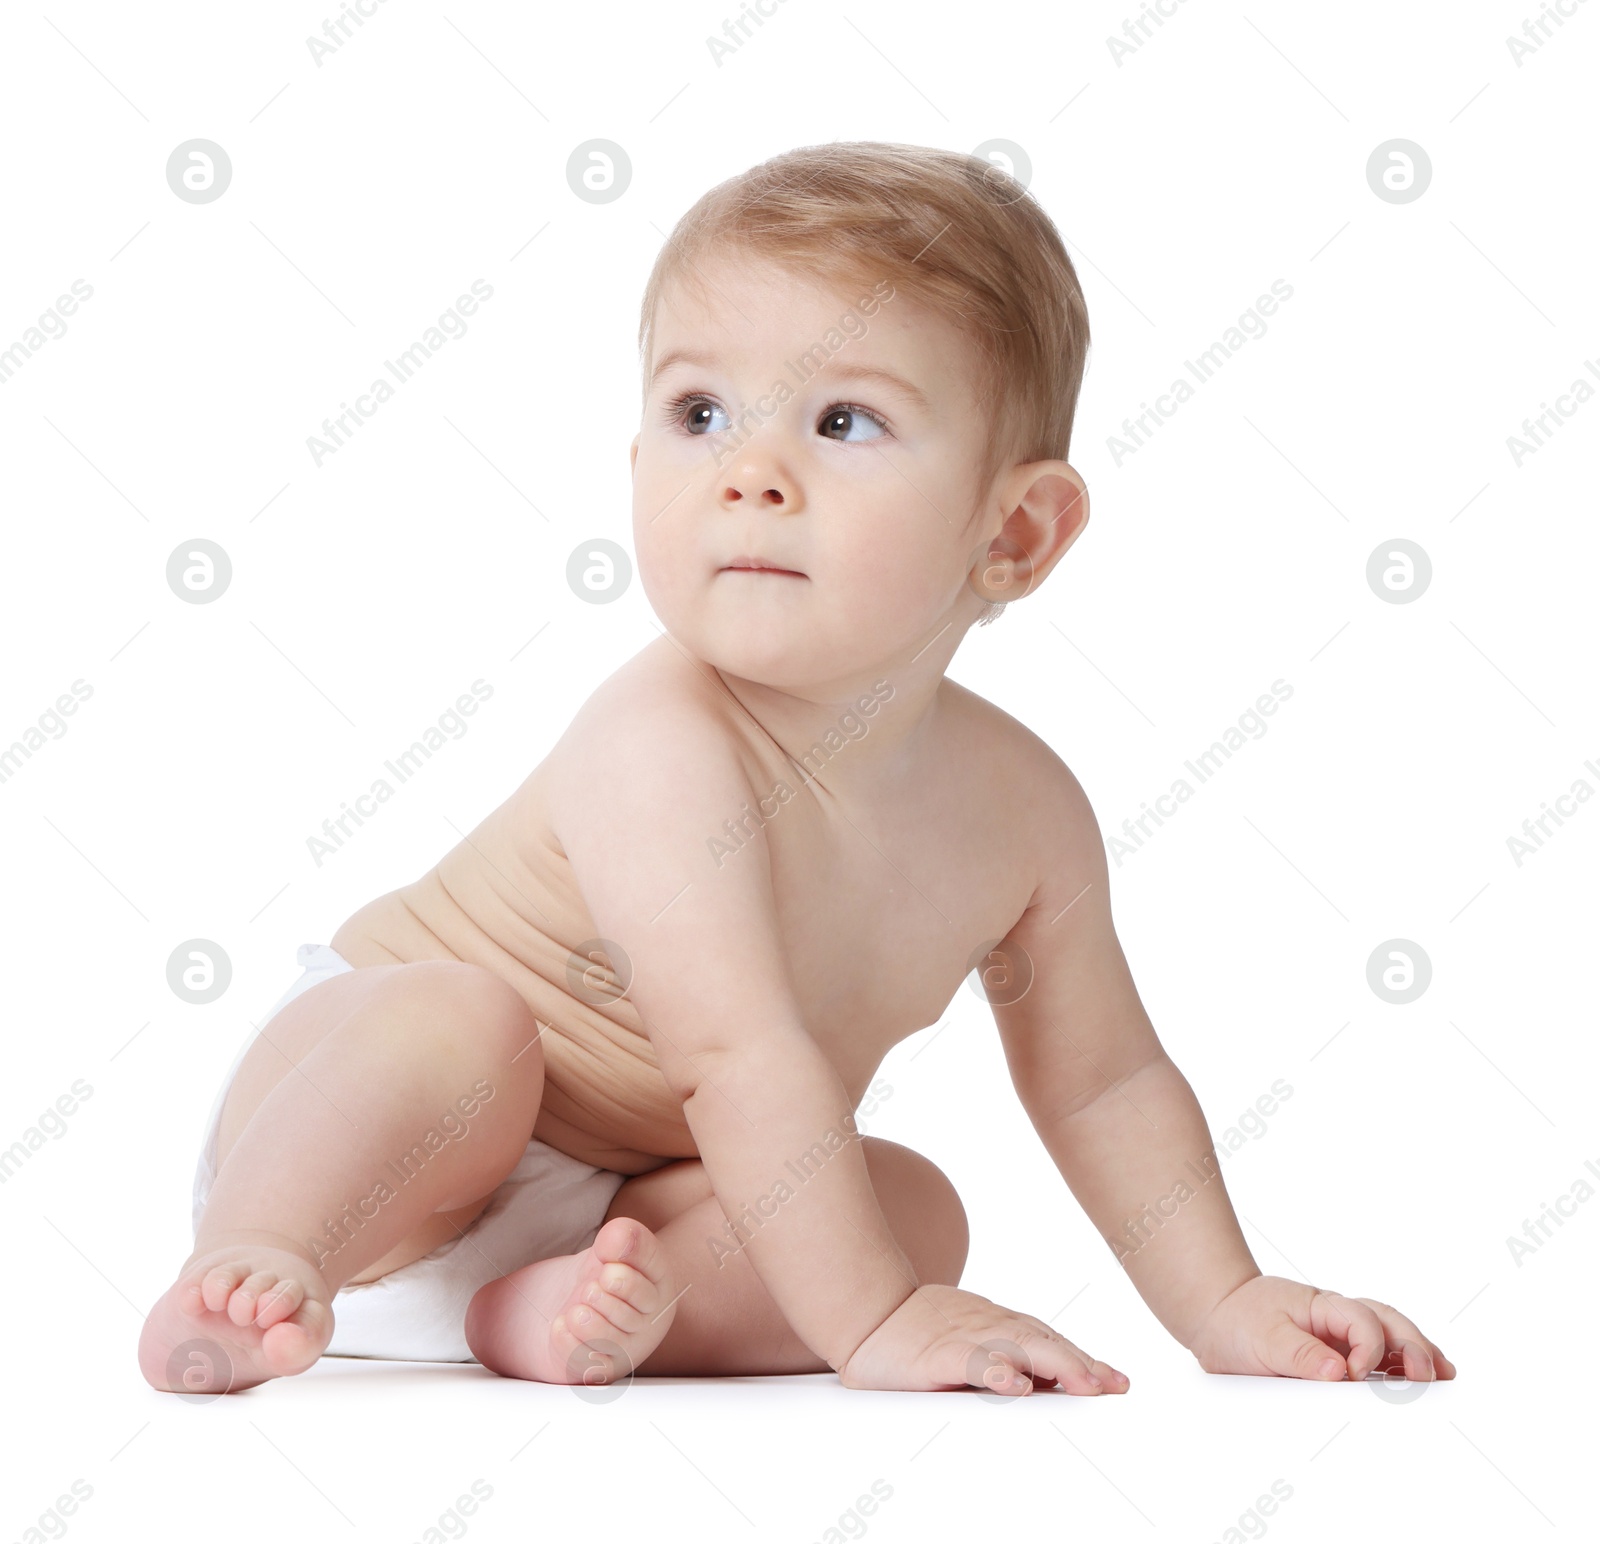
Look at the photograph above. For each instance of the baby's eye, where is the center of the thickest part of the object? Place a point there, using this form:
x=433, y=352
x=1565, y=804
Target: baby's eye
x=700, y=411
x=845, y=417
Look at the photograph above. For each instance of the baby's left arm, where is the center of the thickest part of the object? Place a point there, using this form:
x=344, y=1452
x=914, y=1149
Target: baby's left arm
x=1125, y=1130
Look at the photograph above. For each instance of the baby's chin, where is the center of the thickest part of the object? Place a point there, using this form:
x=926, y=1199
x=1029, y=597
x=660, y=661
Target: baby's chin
x=770, y=650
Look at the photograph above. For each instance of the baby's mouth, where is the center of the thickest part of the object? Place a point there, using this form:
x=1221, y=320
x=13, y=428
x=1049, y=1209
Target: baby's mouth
x=753, y=565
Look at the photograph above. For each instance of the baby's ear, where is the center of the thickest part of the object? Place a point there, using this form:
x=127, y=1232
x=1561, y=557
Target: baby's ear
x=1075, y=507
x=1050, y=502
x=633, y=454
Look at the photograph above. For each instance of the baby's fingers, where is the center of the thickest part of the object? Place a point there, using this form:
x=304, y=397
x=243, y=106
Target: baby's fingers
x=1287, y=1350
x=989, y=1367
x=1420, y=1359
x=1352, y=1320
x=1013, y=1366
x=1111, y=1381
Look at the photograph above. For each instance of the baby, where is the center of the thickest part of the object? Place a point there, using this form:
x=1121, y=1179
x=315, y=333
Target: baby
x=581, y=1100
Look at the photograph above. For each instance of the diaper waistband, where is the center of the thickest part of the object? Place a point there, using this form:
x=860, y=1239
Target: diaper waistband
x=320, y=957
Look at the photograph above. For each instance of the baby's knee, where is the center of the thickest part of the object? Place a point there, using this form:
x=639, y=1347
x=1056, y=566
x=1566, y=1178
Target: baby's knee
x=468, y=1006
x=923, y=1208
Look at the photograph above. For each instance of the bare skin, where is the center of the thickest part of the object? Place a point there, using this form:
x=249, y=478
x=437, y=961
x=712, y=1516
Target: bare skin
x=767, y=849
x=252, y=1287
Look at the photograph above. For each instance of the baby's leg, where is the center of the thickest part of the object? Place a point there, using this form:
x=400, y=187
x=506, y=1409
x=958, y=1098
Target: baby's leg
x=341, y=1139
x=662, y=1305
x=727, y=1324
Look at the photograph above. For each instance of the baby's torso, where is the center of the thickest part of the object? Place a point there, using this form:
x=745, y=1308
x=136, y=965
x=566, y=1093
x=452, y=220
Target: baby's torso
x=881, y=909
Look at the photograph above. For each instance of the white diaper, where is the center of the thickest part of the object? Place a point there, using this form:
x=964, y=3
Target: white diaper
x=550, y=1204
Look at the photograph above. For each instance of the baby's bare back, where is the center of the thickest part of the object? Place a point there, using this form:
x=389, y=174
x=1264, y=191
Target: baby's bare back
x=881, y=900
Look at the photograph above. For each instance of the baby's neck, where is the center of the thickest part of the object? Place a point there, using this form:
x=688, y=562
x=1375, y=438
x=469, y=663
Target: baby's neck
x=871, y=726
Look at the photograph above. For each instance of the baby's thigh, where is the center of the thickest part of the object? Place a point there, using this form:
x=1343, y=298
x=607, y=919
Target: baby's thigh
x=656, y=1197
x=920, y=1204
x=660, y=1195
x=375, y=1004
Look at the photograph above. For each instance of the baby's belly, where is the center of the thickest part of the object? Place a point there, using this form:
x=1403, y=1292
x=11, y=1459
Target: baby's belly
x=605, y=1101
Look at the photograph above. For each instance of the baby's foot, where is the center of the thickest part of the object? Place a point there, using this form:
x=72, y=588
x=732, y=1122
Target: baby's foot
x=236, y=1316
x=590, y=1317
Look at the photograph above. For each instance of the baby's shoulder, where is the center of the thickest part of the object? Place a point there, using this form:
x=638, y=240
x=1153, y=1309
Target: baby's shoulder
x=660, y=719
x=660, y=695
x=1021, y=773
x=1004, y=751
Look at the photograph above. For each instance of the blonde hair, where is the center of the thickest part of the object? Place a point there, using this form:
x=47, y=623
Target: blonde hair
x=951, y=232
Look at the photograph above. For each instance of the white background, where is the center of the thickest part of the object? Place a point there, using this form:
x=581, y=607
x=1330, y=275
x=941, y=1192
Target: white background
x=1228, y=151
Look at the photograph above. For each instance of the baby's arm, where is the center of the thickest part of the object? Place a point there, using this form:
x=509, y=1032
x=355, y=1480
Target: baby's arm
x=1124, y=1128
x=637, y=788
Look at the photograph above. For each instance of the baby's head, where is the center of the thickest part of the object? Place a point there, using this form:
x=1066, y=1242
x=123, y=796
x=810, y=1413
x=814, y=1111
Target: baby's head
x=861, y=363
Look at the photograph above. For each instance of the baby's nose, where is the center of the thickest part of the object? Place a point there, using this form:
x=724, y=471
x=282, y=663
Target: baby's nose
x=735, y=492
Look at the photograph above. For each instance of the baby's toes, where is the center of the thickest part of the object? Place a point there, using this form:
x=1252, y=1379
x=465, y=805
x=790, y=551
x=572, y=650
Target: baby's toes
x=242, y=1304
x=277, y=1303
x=598, y=1312
x=293, y=1344
x=627, y=1244
x=638, y=1291
x=217, y=1285
x=587, y=1350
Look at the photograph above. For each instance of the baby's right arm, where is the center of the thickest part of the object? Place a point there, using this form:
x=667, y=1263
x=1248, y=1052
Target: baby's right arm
x=636, y=790
x=639, y=784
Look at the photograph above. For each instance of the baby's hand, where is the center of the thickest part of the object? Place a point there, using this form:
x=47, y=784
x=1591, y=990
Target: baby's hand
x=1271, y=1326
x=944, y=1338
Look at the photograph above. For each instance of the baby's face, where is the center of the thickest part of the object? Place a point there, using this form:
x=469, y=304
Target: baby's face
x=860, y=486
